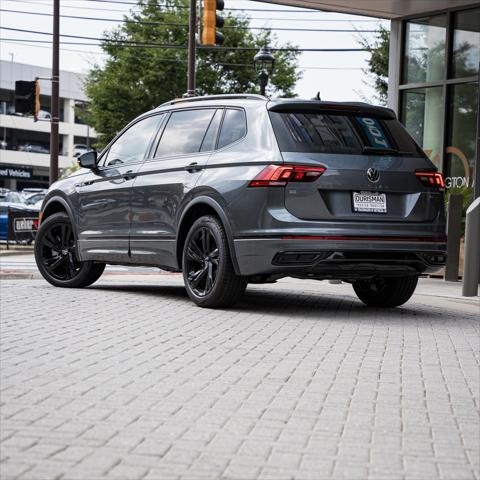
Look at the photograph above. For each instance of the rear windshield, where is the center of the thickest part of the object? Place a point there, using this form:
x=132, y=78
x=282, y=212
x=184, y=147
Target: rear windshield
x=342, y=133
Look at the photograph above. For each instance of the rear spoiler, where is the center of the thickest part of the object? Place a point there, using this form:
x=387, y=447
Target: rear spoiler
x=304, y=106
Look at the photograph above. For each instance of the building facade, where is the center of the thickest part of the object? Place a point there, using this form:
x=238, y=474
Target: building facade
x=434, y=88
x=25, y=144
x=433, y=77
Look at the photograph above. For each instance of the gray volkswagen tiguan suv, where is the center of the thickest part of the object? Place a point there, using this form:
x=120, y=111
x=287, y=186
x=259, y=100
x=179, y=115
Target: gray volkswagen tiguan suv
x=239, y=189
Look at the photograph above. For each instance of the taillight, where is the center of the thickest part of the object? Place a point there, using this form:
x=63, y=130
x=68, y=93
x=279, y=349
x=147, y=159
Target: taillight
x=280, y=175
x=431, y=179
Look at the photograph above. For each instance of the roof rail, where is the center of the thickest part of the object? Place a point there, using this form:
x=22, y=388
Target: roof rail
x=227, y=96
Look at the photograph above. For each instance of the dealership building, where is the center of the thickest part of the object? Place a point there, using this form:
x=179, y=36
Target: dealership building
x=25, y=144
x=433, y=76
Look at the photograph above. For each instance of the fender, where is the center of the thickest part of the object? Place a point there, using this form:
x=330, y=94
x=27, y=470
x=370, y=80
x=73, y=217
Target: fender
x=211, y=202
x=59, y=199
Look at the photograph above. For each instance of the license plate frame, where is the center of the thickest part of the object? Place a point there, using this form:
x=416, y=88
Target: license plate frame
x=369, y=202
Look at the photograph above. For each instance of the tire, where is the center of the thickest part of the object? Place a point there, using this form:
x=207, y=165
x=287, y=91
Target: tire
x=207, y=267
x=385, y=292
x=56, y=257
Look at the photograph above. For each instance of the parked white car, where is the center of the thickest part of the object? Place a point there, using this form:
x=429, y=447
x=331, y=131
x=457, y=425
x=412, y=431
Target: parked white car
x=80, y=148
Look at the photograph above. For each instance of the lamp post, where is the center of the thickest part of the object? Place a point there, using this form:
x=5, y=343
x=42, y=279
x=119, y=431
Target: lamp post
x=263, y=62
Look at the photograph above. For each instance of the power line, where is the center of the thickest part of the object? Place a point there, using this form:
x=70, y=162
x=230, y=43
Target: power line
x=170, y=5
x=37, y=3
x=202, y=47
x=30, y=40
x=185, y=7
x=166, y=60
x=232, y=9
x=185, y=25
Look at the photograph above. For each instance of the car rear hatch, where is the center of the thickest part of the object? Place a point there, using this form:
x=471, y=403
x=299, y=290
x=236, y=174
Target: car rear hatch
x=374, y=171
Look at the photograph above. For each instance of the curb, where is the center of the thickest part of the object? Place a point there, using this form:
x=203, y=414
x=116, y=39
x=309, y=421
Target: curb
x=466, y=300
x=7, y=253
x=18, y=276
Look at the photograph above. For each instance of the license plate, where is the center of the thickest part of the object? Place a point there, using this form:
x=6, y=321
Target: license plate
x=372, y=202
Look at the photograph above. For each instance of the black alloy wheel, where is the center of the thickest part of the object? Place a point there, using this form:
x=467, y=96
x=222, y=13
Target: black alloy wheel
x=202, y=257
x=209, y=276
x=58, y=252
x=56, y=255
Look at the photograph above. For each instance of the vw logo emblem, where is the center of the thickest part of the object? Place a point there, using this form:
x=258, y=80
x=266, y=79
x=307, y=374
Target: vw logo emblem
x=373, y=175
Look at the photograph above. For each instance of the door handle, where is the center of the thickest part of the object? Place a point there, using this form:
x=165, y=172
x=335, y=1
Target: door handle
x=129, y=175
x=193, y=167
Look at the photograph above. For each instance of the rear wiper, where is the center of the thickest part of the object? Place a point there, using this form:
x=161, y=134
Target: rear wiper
x=384, y=151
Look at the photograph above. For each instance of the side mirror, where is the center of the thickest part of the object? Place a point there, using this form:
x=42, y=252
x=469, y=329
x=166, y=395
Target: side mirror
x=88, y=160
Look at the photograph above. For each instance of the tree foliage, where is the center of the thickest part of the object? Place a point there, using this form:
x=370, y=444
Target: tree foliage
x=378, y=62
x=134, y=78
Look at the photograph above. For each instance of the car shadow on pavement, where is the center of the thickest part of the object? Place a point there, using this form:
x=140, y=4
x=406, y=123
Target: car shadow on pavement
x=283, y=303
x=167, y=291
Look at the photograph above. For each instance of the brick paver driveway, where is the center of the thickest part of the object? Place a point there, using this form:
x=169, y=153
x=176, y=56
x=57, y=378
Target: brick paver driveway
x=128, y=382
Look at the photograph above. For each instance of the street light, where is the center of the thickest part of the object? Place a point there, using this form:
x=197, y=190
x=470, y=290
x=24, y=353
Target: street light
x=263, y=62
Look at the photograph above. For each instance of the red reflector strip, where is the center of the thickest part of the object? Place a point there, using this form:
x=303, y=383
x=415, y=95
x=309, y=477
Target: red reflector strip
x=372, y=239
x=431, y=179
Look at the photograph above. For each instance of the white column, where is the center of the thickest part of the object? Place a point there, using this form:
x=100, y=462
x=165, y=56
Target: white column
x=68, y=117
x=68, y=145
x=69, y=110
x=394, y=61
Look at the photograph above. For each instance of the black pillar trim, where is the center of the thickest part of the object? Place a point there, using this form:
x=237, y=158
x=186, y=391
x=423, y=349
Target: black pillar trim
x=476, y=186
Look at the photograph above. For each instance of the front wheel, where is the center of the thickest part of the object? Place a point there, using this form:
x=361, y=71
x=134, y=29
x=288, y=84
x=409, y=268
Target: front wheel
x=56, y=257
x=208, y=272
x=385, y=292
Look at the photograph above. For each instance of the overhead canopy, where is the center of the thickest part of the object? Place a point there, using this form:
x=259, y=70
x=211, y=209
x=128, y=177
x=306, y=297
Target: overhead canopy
x=392, y=9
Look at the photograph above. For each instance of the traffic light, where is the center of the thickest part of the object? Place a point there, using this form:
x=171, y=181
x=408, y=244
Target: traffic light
x=27, y=97
x=211, y=21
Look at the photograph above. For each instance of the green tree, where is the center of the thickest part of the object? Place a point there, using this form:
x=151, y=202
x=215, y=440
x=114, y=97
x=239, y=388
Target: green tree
x=378, y=62
x=137, y=78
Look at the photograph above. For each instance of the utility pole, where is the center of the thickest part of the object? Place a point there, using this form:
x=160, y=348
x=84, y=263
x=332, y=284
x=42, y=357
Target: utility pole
x=192, y=25
x=55, y=93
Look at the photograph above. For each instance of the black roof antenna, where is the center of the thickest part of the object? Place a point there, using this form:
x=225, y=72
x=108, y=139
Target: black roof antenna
x=317, y=96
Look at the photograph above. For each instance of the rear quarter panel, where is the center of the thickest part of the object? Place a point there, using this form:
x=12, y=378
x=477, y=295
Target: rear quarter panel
x=230, y=170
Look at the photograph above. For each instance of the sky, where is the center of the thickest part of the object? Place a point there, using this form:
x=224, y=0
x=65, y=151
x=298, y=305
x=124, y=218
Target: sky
x=338, y=76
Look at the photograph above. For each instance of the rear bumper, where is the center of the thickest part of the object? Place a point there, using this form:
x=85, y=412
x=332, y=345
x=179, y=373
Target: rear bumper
x=340, y=257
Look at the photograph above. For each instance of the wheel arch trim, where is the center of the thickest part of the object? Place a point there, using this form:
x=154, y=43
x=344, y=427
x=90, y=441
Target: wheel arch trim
x=57, y=199
x=211, y=202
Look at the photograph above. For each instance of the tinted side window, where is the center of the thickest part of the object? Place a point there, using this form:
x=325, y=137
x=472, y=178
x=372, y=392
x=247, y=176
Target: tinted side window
x=184, y=132
x=234, y=127
x=210, y=138
x=131, y=146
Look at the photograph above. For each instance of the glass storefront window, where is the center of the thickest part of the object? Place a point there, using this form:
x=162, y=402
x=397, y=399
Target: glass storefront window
x=425, y=50
x=466, y=43
x=422, y=117
x=461, y=149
